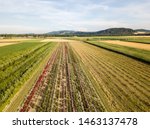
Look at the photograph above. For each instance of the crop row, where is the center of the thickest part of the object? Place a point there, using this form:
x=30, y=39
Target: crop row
x=122, y=82
x=19, y=70
x=64, y=87
x=83, y=77
x=15, y=52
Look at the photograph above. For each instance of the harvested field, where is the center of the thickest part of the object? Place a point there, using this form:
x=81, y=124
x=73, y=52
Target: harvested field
x=13, y=40
x=128, y=44
x=55, y=40
x=7, y=43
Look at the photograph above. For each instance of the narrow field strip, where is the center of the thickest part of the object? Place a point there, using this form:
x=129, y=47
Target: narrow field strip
x=129, y=44
x=135, y=53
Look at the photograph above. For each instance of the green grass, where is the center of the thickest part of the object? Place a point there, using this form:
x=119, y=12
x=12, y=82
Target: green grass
x=142, y=55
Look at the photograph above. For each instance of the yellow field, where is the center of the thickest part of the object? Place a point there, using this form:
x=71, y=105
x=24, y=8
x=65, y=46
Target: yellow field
x=5, y=42
x=128, y=44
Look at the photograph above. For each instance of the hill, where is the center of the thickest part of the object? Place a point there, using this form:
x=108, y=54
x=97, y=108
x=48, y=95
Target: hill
x=111, y=31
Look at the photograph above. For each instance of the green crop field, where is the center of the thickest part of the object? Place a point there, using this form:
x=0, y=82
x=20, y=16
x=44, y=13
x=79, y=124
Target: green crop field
x=76, y=74
x=17, y=63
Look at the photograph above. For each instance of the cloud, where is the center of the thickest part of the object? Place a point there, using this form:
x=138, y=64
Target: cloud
x=91, y=15
x=19, y=29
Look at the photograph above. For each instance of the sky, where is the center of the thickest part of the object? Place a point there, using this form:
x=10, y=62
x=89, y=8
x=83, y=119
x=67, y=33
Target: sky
x=41, y=16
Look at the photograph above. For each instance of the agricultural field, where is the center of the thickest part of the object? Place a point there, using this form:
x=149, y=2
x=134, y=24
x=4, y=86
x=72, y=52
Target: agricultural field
x=135, y=39
x=133, y=52
x=63, y=86
x=128, y=44
x=122, y=82
x=17, y=63
x=78, y=74
x=5, y=42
